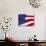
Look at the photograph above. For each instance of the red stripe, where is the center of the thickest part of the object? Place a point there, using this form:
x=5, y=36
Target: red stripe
x=29, y=20
x=30, y=24
x=29, y=16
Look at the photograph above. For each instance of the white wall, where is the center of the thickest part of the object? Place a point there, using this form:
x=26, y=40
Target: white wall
x=11, y=8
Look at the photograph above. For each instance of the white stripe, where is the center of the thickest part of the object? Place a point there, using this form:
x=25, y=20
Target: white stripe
x=29, y=18
x=27, y=23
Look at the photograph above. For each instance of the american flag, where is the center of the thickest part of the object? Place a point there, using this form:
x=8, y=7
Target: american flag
x=25, y=20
